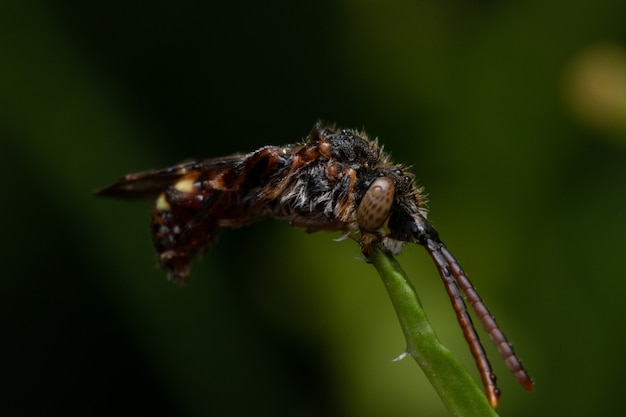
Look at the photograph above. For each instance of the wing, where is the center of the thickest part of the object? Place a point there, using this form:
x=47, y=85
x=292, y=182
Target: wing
x=149, y=184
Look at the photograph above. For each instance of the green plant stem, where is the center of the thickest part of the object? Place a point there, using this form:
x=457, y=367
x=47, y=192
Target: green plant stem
x=455, y=386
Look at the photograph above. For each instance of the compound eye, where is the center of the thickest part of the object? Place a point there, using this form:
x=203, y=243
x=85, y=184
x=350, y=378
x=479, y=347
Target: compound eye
x=376, y=205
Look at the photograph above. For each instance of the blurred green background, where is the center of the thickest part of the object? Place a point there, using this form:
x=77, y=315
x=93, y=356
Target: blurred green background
x=512, y=114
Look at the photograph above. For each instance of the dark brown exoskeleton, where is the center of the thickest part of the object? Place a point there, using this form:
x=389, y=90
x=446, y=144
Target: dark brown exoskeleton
x=334, y=180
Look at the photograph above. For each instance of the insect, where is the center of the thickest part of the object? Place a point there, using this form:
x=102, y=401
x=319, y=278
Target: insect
x=335, y=180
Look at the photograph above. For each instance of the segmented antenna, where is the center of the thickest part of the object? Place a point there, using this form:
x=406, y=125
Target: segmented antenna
x=458, y=285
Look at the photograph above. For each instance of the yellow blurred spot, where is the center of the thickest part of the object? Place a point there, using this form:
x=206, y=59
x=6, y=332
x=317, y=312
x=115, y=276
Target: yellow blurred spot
x=596, y=87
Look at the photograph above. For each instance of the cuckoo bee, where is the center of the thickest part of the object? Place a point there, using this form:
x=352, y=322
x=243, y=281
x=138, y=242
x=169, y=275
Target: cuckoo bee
x=334, y=180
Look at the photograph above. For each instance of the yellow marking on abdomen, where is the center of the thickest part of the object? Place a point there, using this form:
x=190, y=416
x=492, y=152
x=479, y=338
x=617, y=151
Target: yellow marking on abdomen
x=162, y=204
